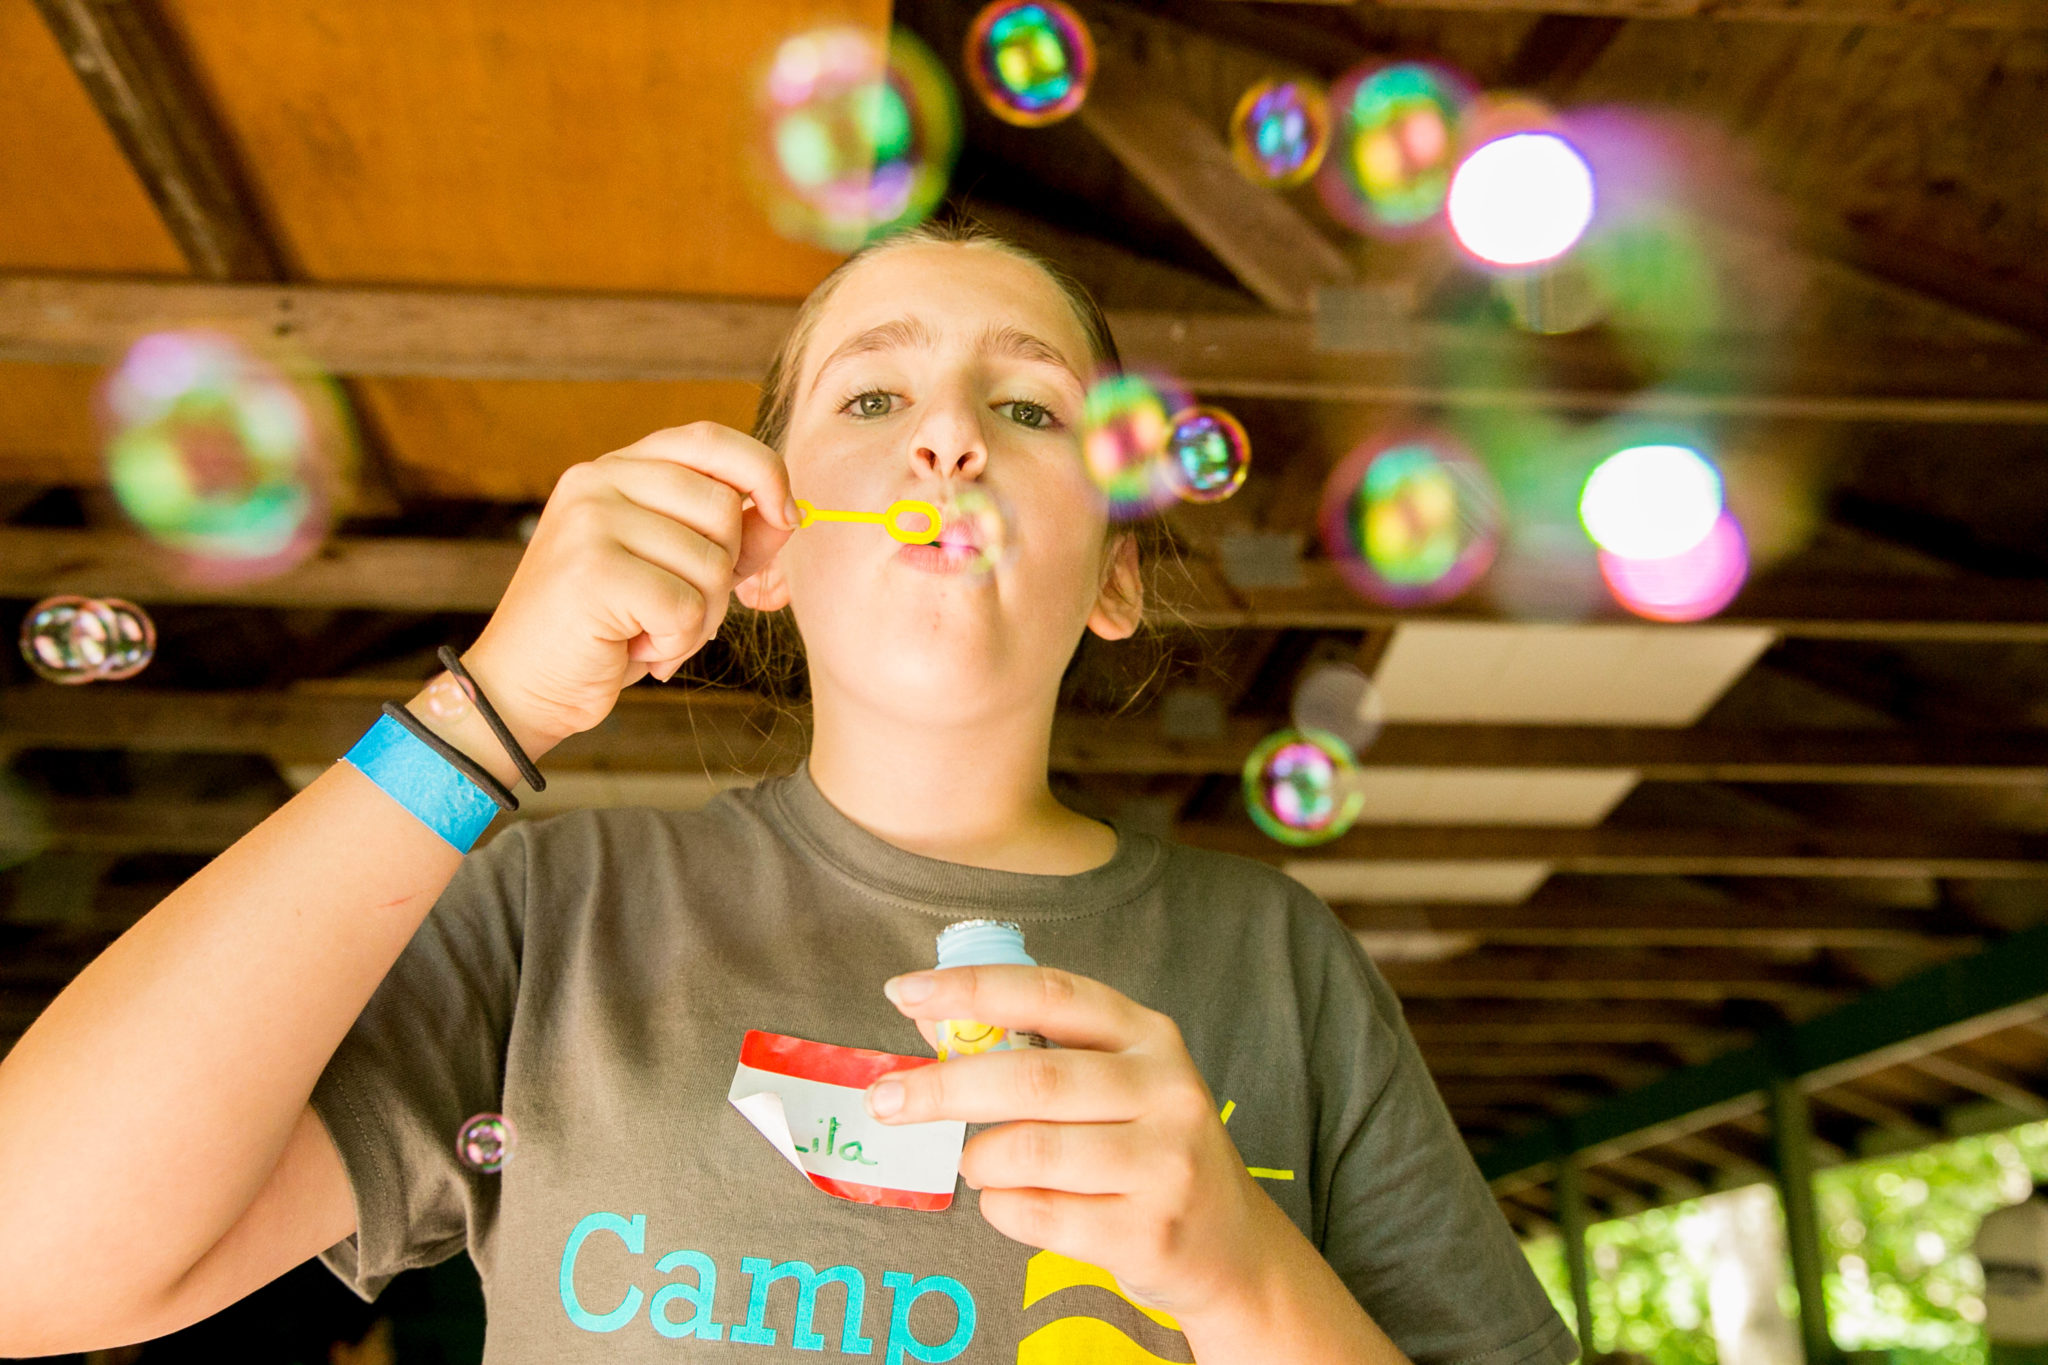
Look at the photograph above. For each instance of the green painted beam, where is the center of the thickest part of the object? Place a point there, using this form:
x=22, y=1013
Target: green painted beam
x=2010, y=973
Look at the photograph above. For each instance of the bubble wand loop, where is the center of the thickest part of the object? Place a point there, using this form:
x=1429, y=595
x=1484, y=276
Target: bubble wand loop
x=888, y=519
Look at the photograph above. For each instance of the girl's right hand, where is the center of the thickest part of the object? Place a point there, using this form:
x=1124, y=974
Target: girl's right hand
x=628, y=574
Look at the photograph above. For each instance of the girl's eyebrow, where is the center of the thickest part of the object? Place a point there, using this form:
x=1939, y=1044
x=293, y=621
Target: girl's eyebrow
x=998, y=339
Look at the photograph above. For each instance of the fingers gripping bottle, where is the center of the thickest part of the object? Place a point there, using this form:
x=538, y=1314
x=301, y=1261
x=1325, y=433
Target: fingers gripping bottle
x=981, y=943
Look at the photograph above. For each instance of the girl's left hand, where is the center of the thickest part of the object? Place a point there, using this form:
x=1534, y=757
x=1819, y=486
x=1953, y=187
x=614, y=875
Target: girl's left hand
x=1110, y=1150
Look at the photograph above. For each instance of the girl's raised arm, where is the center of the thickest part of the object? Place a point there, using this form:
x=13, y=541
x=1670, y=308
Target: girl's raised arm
x=158, y=1158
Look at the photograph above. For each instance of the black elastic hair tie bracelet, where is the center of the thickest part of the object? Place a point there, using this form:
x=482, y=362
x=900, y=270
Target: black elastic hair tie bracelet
x=527, y=768
x=462, y=762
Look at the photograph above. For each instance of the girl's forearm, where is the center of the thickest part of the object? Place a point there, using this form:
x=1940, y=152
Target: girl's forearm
x=1294, y=1308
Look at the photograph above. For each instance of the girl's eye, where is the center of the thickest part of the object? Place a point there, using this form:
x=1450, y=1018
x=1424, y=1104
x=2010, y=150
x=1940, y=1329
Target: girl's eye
x=1028, y=414
x=874, y=403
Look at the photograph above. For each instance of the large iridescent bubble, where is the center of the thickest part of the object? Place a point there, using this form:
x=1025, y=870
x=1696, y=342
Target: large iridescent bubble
x=1279, y=132
x=1030, y=62
x=1127, y=422
x=1208, y=454
x=1411, y=519
x=1300, y=787
x=74, y=640
x=1393, y=145
x=858, y=136
x=222, y=456
x=1522, y=199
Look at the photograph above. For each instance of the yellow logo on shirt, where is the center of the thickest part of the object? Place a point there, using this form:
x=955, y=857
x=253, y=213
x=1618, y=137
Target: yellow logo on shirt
x=1081, y=1340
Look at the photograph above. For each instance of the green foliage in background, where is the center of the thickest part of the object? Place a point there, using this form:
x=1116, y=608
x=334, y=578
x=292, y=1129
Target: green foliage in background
x=1896, y=1237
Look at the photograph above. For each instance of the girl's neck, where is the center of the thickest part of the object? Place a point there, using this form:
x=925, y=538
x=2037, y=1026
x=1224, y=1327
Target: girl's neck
x=973, y=794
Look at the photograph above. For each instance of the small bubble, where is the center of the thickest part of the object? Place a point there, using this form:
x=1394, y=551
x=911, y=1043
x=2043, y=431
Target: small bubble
x=1126, y=423
x=1208, y=454
x=977, y=517
x=1300, y=788
x=131, y=640
x=1411, y=519
x=448, y=698
x=485, y=1143
x=66, y=639
x=1280, y=131
x=1030, y=62
x=1393, y=145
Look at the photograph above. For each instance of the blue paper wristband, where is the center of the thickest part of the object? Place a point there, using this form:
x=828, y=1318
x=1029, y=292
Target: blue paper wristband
x=422, y=781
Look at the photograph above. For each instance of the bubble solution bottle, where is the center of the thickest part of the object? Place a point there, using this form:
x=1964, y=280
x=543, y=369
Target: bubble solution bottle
x=981, y=943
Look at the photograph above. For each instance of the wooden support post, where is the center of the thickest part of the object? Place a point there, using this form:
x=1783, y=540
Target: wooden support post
x=1792, y=1150
x=1571, y=1225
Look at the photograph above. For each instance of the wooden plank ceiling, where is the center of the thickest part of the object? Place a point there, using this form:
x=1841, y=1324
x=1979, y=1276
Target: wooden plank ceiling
x=1862, y=790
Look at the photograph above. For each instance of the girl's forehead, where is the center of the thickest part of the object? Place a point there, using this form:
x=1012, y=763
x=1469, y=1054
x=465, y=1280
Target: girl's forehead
x=954, y=293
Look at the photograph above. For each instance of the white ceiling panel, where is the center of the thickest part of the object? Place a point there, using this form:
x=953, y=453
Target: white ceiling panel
x=1446, y=672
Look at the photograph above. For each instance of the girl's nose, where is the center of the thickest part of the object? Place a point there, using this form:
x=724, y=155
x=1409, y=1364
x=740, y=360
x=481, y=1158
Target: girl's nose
x=949, y=443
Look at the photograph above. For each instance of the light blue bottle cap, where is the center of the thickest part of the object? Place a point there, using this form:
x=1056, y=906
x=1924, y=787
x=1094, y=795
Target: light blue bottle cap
x=983, y=943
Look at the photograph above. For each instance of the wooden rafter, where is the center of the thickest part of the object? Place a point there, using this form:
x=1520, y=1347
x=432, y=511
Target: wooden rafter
x=496, y=335
x=130, y=64
x=417, y=574
x=1986, y=1079
x=1648, y=923
x=1991, y=14
x=673, y=730
x=1620, y=975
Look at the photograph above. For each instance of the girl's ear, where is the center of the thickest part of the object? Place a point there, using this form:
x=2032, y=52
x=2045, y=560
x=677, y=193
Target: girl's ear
x=766, y=589
x=1120, y=607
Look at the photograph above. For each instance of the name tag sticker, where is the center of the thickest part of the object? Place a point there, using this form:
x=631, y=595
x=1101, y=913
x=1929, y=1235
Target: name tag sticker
x=807, y=1100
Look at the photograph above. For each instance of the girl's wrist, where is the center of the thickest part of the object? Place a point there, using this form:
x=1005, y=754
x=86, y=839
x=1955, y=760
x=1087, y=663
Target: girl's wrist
x=448, y=707
x=1257, y=1297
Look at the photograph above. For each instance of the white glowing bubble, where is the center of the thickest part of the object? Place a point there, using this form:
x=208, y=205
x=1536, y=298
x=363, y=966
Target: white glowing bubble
x=1651, y=502
x=1521, y=199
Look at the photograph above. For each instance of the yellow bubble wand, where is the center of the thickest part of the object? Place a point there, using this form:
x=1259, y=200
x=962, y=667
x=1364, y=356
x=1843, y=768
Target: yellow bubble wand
x=889, y=520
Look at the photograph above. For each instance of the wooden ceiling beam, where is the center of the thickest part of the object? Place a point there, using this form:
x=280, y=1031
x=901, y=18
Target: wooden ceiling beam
x=360, y=330
x=675, y=730
x=1680, y=852
x=1701, y=976
x=1651, y=923
x=1680, y=1026
x=1618, y=1069
x=1271, y=249
x=430, y=575
x=131, y=66
x=1985, y=1079
x=1984, y=14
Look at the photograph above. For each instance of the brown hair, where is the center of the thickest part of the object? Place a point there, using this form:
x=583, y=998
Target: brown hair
x=778, y=386
x=765, y=645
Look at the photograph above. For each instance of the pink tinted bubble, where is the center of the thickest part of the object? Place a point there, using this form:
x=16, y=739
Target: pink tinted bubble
x=447, y=697
x=485, y=1142
x=1685, y=587
x=66, y=639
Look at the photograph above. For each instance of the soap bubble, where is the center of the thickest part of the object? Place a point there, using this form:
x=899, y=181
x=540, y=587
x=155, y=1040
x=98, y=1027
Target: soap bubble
x=1126, y=423
x=1683, y=587
x=1279, y=132
x=1340, y=699
x=1300, y=787
x=975, y=516
x=1651, y=501
x=75, y=640
x=1393, y=145
x=131, y=640
x=1410, y=520
x=858, y=136
x=1031, y=62
x=1521, y=200
x=1207, y=454
x=219, y=455
x=485, y=1143
x=448, y=698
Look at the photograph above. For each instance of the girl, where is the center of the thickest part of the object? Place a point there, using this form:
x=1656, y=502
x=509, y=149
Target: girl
x=274, y=1062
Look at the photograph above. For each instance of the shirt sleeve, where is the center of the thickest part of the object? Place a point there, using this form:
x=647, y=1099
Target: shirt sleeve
x=1405, y=1217
x=427, y=1052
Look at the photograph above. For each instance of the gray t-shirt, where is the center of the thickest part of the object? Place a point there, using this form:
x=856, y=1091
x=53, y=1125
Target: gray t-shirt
x=592, y=976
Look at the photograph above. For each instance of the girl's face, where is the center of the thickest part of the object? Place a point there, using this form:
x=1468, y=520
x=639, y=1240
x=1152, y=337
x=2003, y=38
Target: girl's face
x=930, y=368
